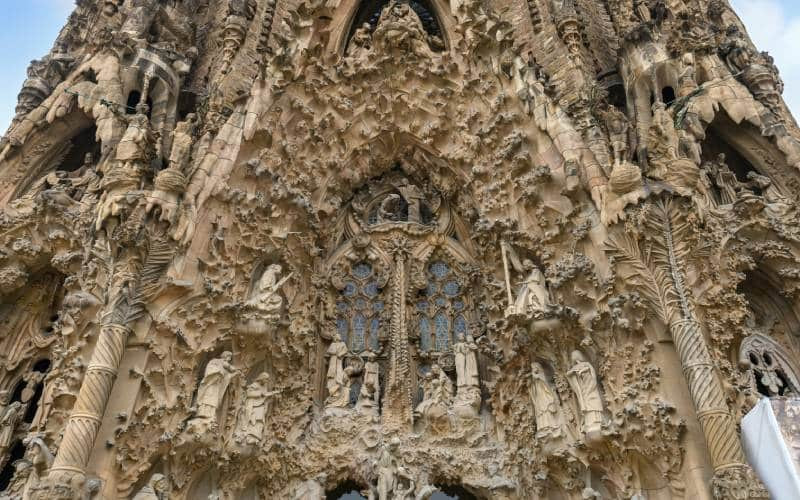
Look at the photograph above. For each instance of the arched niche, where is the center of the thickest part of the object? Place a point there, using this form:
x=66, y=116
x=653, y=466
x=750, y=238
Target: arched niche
x=745, y=150
x=68, y=140
x=770, y=309
x=353, y=13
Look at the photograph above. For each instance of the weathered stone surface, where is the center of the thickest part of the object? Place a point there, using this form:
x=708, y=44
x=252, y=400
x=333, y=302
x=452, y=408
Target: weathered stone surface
x=289, y=249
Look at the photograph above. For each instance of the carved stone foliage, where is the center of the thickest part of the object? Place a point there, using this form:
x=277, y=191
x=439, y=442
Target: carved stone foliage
x=514, y=249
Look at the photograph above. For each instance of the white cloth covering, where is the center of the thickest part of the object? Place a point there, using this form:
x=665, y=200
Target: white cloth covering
x=768, y=453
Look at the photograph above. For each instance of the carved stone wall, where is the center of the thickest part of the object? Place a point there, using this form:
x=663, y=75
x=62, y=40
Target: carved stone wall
x=294, y=249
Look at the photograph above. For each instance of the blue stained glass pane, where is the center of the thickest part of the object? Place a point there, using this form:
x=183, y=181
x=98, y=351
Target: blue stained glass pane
x=440, y=301
x=422, y=306
x=371, y=289
x=442, y=326
x=360, y=304
x=362, y=270
x=424, y=334
x=341, y=327
x=458, y=305
x=359, y=333
x=341, y=306
x=439, y=269
x=350, y=289
x=377, y=306
x=451, y=288
x=460, y=326
x=374, y=328
x=432, y=289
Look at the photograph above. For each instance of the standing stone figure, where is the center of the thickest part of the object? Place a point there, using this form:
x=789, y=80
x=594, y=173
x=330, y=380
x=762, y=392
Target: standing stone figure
x=254, y=413
x=545, y=405
x=213, y=387
x=371, y=386
x=8, y=425
x=338, y=379
x=583, y=380
x=617, y=127
x=155, y=489
x=386, y=469
x=466, y=363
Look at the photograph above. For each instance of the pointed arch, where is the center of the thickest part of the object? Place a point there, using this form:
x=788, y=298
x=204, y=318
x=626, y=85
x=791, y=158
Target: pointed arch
x=434, y=14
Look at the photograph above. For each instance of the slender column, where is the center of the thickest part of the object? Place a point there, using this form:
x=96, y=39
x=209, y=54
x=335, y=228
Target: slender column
x=84, y=422
x=397, y=414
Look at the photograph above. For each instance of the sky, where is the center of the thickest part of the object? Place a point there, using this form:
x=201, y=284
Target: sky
x=29, y=27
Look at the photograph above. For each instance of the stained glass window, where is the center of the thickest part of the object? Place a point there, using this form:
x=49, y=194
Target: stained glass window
x=358, y=311
x=440, y=311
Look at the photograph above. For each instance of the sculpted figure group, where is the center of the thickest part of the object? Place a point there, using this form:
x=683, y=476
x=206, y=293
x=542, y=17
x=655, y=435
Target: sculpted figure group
x=550, y=423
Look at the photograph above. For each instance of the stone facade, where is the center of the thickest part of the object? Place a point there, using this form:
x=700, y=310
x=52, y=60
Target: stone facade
x=292, y=248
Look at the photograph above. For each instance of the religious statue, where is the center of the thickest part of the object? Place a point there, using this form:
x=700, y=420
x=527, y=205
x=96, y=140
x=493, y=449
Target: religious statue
x=549, y=422
x=361, y=43
x=182, y=142
x=726, y=181
x=136, y=146
x=39, y=456
x=254, y=413
x=437, y=395
x=617, y=127
x=583, y=380
x=687, y=79
x=466, y=362
x=338, y=378
x=266, y=298
x=210, y=394
x=399, y=28
x=8, y=425
x=155, y=489
x=532, y=296
x=413, y=197
x=662, y=135
x=772, y=195
x=369, y=394
x=527, y=82
x=394, y=481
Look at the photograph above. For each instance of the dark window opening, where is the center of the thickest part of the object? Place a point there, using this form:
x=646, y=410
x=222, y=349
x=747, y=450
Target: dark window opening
x=90, y=75
x=33, y=404
x=370, y=12
x=82, y=144
x=349, y=490
x=134, y=98
x=43, y=365
x=7, y=474
x=667, y=95
x=187, y=103
x=617, y=97
x=16, y=396
x=760, y=387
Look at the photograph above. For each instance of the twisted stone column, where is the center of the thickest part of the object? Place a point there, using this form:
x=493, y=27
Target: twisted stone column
x=84, y=422
x=706, y=391
x=733, y=477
